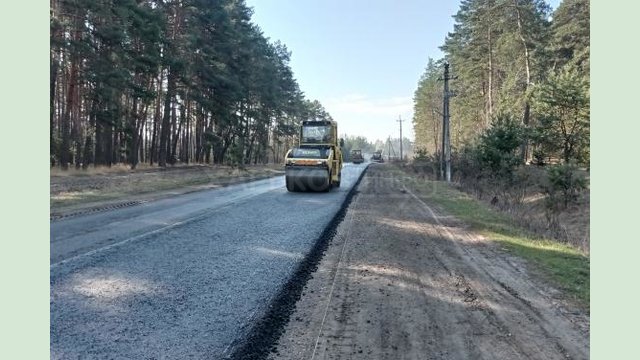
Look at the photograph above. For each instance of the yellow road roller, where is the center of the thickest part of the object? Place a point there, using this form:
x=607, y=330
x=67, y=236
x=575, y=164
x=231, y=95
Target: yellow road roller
x=316, y=163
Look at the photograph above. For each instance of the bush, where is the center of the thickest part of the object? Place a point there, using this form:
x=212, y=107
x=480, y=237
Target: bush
x=539, y=157
x=426, y=164
x=421, y=155
x=563, y=185
x=235, y=155
x=498, y=148
x=494, y=158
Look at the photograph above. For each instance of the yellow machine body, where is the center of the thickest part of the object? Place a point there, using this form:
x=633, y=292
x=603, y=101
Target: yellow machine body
x=316, y=164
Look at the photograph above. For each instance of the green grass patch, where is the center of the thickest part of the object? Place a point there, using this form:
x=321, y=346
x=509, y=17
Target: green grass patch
x=565, y=266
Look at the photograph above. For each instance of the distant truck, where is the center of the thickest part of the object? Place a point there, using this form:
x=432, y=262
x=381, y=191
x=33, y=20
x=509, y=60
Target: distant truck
x=377, y=157
x=356, y=156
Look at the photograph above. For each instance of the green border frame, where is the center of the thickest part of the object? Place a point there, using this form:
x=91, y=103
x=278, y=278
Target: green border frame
x=614, y=124
x=24, y=243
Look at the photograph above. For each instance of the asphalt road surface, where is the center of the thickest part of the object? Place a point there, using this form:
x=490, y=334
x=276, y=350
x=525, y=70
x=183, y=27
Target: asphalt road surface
x=182, y=277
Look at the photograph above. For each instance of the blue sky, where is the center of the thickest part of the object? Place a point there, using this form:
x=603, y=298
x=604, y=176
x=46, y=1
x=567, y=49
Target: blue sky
x=361, y=59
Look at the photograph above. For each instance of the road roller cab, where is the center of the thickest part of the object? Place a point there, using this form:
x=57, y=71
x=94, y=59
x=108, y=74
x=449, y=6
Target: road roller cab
x=377, y=157
x=356, y=157
x=316, y=164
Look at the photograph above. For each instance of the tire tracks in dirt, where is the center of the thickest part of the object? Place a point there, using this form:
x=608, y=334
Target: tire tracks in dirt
x=540, y=315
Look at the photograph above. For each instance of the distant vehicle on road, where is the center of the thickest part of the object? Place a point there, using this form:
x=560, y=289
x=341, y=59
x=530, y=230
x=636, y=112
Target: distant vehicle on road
x=377, y=157
x=356, y=156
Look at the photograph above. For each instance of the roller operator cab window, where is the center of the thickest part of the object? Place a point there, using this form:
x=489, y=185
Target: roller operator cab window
x=317, y=134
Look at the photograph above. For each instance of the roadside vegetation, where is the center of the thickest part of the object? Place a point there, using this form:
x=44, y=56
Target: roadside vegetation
x=519, y=115
x=551, y=200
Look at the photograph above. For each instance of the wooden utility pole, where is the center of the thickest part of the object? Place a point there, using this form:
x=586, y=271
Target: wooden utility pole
x=400, y=122
x=446, y=138
x=441, y=155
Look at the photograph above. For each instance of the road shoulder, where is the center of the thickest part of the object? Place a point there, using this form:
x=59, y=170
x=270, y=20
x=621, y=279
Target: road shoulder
x=82, y=193
x=402, y=279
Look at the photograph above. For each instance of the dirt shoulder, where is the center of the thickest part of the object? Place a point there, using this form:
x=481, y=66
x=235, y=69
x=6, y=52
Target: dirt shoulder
x=75, y=192
x=404, y=280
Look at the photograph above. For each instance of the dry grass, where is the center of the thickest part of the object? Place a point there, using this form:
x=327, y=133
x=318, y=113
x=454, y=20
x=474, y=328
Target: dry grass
x=95, y=186
x=570, y=226
x=96, y=170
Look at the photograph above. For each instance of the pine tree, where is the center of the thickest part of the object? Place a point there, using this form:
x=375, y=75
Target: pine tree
x=570, y=35
x=427, y=99
x=562, y=103
x=193, y=80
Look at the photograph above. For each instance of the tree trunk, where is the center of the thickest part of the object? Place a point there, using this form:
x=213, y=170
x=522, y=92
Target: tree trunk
x=153, y=157
x=177, y=127
x=86, y=159
x=52, y=98
x=198, y=139
x=98, y=157
x=527, y=63
x=490, y=91
x=141, y=134
x=184, y=153
x=78, y=157
x=66, y=120
x=133, y=126
x=108, y=141
x=166, y=119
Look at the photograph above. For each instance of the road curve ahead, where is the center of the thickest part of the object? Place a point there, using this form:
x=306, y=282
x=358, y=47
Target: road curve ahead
x=183, y=277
